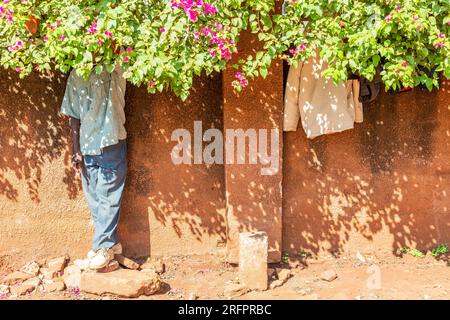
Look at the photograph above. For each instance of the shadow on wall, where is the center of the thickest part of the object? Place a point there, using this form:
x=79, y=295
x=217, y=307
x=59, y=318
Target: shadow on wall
x=388, y=176
x=32, y=132
x=171, y=208
x=174, y=207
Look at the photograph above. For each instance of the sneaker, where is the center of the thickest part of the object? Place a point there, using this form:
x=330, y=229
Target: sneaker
x=91, y=254
x=101, y=259
x=116, y=249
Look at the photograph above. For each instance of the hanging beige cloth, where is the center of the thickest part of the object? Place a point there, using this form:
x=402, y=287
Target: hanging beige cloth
x=356, y=88
x=322, y=106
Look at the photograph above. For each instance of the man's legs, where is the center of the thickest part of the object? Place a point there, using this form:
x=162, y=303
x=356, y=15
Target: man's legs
x=89, y=179
x=109, y=189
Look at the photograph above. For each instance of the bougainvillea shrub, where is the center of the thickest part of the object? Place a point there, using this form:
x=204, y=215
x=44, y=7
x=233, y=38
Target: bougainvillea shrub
x=165, y=43
x=408, y=40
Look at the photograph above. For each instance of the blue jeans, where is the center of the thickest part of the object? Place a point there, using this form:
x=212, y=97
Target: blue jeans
x=103, y=180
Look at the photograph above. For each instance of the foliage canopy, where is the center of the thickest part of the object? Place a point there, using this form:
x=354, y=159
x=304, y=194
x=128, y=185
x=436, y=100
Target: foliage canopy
x=165, y=43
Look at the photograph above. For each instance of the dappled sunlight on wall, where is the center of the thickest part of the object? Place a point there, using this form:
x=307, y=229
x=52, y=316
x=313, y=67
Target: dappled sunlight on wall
x=31, y=132
x=172, y=209
x=386, y=181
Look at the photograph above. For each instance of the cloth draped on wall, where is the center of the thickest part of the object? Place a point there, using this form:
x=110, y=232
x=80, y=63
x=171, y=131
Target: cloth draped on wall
x=322, y=106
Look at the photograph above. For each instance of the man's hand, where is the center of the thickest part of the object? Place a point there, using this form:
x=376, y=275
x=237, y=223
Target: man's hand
x=77, y=157
x=77, y=160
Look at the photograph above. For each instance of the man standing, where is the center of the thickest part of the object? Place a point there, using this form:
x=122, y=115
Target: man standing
x=95, y=108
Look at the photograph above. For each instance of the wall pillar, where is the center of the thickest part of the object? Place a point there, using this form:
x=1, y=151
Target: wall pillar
x=254, y=201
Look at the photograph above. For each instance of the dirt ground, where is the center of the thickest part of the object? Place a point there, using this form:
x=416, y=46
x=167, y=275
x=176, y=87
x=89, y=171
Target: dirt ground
x=359, y=277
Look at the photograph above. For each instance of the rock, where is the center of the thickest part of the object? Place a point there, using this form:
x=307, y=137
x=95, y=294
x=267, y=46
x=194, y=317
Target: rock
x=55, y=286
x=253, y=248
x=157, y=266
x=270, y=273
x=31, y=268
x=48, y=274
x=284, y=274
x=276, y=284
x=294, y=263
x=4, y=289
x=233, y=290
x=71, y=277
x=360, y=257
x=122, y=282
x=22, y=289
x=303, y=291
x=112, y=266
x=192, y=296
x=126, y=262
x=313, y=296
x=16, y=277
x=57, y=264
x=328, y=275
x=33, y=281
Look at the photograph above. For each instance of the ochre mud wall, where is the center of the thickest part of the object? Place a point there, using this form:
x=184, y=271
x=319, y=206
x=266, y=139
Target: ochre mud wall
x=384, y=185
x=380, y=186
x=254, y=200
x=167, y=209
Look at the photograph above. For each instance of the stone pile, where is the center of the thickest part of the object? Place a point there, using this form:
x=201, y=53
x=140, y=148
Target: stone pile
x=123, y=277
x=35, y=277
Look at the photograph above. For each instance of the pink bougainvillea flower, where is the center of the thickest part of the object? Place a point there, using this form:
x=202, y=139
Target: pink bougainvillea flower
x=162, y=30
x=108, y=34
x=100, y=41
x=45, y=38
x=196, y=36
x=126, y=60
x=193, y=15
x=441, y=35
x=151, y=84
x=18, y=69
x=239, y=76
x=210, y=9
x=416, y=17
x=404, y=64
x=129, y=49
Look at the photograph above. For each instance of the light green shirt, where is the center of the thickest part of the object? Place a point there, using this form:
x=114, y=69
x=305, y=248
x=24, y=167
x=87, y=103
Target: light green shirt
x=99, y=104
